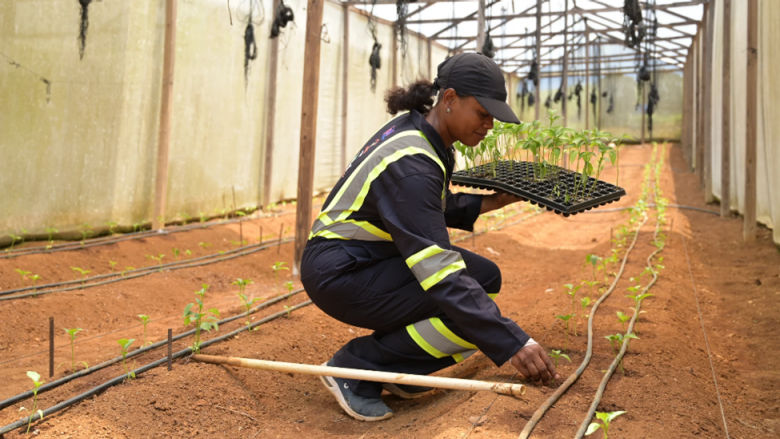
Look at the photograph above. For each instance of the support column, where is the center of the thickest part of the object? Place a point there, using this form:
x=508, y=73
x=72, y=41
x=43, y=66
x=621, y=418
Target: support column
x=480, y=25
x=164, y=133
x=707, y=139
x=270, y=121
x=311, y=83
x=344, y=87
x=538, y=85
x=725, y=157
x=751, y=124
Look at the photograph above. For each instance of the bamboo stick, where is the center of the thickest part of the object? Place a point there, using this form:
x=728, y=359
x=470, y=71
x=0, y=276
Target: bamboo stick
x=515, y=390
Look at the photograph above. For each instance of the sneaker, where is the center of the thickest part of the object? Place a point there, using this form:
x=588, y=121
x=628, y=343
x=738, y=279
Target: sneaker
x=359, y=407
x=406, y=391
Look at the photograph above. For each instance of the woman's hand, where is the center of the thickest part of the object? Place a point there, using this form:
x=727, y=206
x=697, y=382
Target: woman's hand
x=534, y=364
x=498, y=200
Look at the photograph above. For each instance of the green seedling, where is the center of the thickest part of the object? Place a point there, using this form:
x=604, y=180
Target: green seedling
x=638, y=298
x=245, y=301
x=204, y=245
x=289, y=310
x=606, y=419
x=15, y=238
x=125, y=343
x=556, y=354
x=112, y=264
x=51, y=231
x=72, y=335
x=37, y=383
x=584, y=304
x=623, y=317
x=617, y=341
x=289, y=285
x=200, y=319
x=112, y=225
x=23, y=273
x=86, y=231
x=144, y=320
x=82, y=271
x=157, y=258
x=279, y=266
x=571, y=291
x=128, y=268
x=565, y=319
x=137, y=227
x=176, y=253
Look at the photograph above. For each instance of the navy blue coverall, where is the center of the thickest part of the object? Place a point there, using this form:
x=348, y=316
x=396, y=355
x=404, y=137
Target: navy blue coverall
x=379, y=257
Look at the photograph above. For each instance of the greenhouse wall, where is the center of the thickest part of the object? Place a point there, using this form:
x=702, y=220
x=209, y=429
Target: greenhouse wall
x=768, y=111
x=80, y=128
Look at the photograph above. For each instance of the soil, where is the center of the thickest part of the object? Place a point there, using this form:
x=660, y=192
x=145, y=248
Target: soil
x=667, y=389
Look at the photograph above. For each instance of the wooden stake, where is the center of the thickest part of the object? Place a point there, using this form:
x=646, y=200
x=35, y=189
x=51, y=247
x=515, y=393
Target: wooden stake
x=311, y=82
x=51, y=347
x=709, y=42
x=164, y=133
x=515, y=390
x=279, y=247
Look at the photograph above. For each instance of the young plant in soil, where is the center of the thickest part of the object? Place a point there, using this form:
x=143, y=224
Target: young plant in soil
x=83, y=272
x=245, y=301
x=23, y=273
x=279, y=266
x=571, y=291
x=565, y=319
x=617, y=341
x=200, y=319
x=623, y=318
x=72, y=335
x=86, y=231
x=606, y=419
x=556, y=354
x=125, y=343
x=157, y=258
x=37, y=383
x=50, y=231
x=144, y=320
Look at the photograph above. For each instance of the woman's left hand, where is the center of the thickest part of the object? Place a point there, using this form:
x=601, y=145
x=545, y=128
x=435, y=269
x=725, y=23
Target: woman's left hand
x=498, y=200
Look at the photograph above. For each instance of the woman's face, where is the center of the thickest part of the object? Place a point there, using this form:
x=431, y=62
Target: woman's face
x=469, y=122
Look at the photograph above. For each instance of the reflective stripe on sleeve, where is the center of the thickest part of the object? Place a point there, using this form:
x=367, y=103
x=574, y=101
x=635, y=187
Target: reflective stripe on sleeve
x=432, y=264
x=439, y=341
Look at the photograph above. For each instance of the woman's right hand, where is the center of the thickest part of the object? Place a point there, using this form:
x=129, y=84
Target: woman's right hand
x=533, y=363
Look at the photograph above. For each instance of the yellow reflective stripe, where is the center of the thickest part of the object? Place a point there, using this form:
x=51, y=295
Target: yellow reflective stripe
x=427, y=252
x=432, y=351
x=326, y=234
x=378, y=169
x=372, y=229
x=451, y=336
x=458, y=358
x=493, y=296
x=441, y=274
x=354, y=173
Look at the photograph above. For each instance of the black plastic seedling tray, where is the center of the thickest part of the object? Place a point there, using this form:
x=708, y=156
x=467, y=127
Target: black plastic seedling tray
x=550, y=190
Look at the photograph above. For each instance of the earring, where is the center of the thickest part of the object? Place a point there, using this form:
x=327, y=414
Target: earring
x=448, y=109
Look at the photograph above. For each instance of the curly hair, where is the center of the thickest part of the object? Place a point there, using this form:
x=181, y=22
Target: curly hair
x=417, y=96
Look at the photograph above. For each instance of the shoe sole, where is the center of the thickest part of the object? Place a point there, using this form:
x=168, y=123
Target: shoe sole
x=331, y=385
x=397, y=391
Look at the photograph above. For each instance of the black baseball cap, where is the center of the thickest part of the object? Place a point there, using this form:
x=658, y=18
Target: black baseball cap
x=474, y=74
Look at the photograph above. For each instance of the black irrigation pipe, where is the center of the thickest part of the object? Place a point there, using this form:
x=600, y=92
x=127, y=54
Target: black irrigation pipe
x=676, y=206
x=143, y=271
x=120, y=379
x=537, y=416
x=114, y=238
x=624, y=346
x=54, y=384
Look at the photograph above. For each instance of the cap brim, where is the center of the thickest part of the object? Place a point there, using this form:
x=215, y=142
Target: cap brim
x=498, y=109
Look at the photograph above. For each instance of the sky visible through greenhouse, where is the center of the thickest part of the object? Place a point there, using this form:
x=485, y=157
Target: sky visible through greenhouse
x=512, y=25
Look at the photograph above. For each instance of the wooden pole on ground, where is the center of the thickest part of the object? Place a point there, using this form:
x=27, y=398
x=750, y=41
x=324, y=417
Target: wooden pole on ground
x=749, y=223
x=515, y=390
x=311, y=83
x=270, y=121
x=725, y=157
x=164, y=133
x=709, y=42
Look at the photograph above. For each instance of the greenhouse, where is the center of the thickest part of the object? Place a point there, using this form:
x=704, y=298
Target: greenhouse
x=389, y=218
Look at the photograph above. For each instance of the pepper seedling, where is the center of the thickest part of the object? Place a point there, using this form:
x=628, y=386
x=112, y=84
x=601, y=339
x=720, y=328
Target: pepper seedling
x=606, y=419
x=125, y=343
x=197, y=318
x=246, y=302
x=37, y=383
x=555, y=354
x=145, y=320
x=72, y=335
x=23, y=273
x=83, y=272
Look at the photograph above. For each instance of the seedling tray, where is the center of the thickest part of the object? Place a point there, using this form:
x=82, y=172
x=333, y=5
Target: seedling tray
x=550, y=190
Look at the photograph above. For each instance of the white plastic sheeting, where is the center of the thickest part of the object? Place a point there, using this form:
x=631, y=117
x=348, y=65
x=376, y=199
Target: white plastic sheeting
x=768, y=110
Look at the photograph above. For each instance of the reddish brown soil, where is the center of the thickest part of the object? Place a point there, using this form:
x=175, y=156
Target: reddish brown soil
x=667, y=389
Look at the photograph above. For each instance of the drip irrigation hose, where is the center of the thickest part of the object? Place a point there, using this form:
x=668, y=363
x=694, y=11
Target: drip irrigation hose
x=537, y=416
x=144, y=271
x=56, y=383
x=624, y=346
x=676, y=206
x=120, y=379
x=114, y=238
